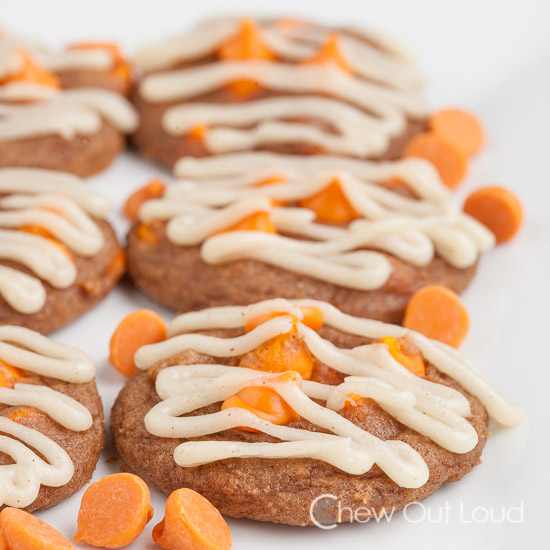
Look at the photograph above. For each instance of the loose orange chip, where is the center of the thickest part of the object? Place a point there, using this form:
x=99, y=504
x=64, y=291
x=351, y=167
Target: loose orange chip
x=330, y=52
x=22, y=531
x=498, y=209
x=191, y=523
x=152, y=190
x=458, y=127
x=137, y=329
x=450, y=162
x=438, y=313
x=114, y=511
x=331, y=205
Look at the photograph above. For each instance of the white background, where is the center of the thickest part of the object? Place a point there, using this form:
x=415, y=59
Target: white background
x=490, y=56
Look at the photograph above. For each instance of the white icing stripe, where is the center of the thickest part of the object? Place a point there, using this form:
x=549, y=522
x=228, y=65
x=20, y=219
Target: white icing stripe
x=43, y=356
x=40, y=255
x=95, y=59
x=25, y=349
x=434, y=410
x=292, y=44
x=60, y=407
x=36, y=180
x=67, y=113
x=227, y=191
x=358, y=134
x=60, y=204
x=98, y=59
x=323, y=79
x=22, y=292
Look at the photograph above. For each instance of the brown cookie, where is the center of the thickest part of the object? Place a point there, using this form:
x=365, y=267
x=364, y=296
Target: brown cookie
x=79, y=130
x=242, y=228
x=298, y=88
x=50, y=303
x=82, y=441
x=284, y=489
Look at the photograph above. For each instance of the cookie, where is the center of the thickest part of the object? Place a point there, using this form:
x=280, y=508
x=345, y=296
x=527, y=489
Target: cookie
x=246, y=227
x=51, y=419
x=42, y=126
x=264, y=415
x=58, y=255
x=277, y=85
x=85, y=64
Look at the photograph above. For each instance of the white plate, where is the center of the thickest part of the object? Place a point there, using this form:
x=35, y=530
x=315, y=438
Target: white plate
x=492, y=57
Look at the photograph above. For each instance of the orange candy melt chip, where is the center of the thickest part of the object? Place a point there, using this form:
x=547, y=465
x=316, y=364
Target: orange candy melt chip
x=496, y=208
x=265, y=402
x=330, y=52
x=460, y=128
x=191, y=523
x=248, y=43
x=313, y=318
x=32, y=72
x=331, y=205
x=412, y=360
x=259, y=221
x=438, y=313
x=450, y=162
x=286, y=352
x=9, y=374
x=137, y=329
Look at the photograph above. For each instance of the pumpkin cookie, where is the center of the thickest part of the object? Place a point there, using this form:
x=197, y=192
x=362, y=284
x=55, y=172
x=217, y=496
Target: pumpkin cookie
x=278, y=85
x=245, y=227
x=267, y=408
x=51, y=419
x=43, y=126
x=58, y=255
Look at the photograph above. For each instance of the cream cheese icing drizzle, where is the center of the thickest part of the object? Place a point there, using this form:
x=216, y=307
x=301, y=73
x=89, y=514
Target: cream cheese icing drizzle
x=217, y=192
x=28, y=350
x=62, y=205
x=67, y=113
x=365, y=108
x=100, y=59
x=439, y=412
